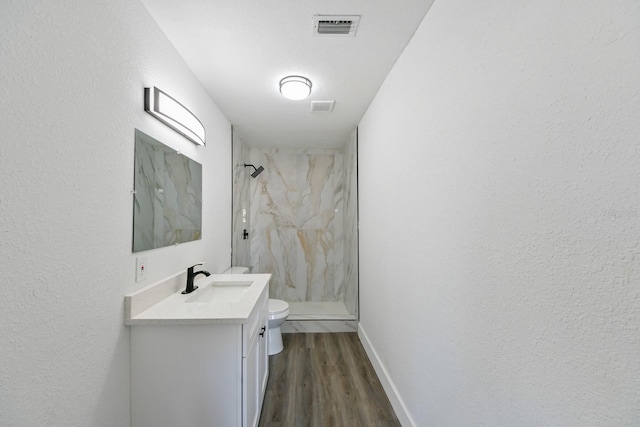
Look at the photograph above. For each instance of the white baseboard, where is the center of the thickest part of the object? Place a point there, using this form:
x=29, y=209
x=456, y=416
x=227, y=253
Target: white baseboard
x=392, y=393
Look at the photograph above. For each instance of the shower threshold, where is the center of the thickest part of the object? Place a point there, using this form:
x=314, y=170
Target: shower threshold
x=313, y=317
x=319, y=311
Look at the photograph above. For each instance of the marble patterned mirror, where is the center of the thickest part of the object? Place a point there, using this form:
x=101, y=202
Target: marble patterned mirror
x=167, y=206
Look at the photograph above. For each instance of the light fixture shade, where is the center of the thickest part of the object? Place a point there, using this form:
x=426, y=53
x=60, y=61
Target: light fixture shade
x=295, y=87
x=173, y=114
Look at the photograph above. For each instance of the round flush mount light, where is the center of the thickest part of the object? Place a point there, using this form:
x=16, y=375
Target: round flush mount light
x=295, y=87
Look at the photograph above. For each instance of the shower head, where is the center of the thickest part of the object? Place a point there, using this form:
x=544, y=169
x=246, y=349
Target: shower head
x=257, y=170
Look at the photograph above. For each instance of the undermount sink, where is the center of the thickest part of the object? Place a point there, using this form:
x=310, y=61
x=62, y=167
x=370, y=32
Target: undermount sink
x=228, y=291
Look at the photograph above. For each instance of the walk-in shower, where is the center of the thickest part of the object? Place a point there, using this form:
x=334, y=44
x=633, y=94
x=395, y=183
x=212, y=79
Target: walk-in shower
x=299, y=212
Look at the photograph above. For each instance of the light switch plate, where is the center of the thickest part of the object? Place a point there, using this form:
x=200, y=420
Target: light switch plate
x=141, y=269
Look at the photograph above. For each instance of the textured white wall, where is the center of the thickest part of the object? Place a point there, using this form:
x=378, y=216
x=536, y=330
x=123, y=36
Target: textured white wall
x=500, y=215
x=71, y=87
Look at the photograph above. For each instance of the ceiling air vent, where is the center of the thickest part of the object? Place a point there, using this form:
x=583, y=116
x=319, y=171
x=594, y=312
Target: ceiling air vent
x=322, y=106
x=335, y=25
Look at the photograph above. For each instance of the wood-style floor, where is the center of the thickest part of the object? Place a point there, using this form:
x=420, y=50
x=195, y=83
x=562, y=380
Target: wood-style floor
x=324, y=380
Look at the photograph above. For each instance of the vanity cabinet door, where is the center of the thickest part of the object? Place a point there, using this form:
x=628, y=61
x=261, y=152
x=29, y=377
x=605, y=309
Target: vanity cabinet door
x=251, y=385
x=255, y=362
x=263, y=355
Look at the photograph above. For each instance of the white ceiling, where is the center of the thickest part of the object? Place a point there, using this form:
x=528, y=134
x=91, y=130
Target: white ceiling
x=240, y=50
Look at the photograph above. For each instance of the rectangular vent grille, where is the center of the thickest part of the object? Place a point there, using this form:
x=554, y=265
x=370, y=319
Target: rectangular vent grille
x=322, y=106
x=335, y=25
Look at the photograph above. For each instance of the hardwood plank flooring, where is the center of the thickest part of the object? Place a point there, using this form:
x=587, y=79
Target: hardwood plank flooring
x=324, y=380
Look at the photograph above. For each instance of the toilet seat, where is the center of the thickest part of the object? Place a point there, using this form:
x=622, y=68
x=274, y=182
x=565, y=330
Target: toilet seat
x=277, y=306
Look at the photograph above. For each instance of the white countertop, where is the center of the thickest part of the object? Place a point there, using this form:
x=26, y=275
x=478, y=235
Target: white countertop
x=163, y=304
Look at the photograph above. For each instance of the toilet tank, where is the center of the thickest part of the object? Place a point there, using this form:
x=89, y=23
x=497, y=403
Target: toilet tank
x=237, y=270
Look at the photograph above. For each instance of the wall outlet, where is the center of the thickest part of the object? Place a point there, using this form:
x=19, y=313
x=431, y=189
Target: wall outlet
x=141, y=269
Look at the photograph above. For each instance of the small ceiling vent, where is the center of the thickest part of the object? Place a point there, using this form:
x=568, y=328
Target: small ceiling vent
x=335, y=25
x=322, y=106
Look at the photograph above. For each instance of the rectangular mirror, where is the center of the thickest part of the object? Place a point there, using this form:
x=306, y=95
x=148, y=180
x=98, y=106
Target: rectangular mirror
x=167, y=206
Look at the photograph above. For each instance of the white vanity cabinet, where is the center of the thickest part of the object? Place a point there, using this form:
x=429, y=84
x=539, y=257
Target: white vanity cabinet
x=255, y=367
x=200, y=375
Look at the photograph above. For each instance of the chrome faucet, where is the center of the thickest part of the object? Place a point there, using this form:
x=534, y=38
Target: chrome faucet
x=190, y=276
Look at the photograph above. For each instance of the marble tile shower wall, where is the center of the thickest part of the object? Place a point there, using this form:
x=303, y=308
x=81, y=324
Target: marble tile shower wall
x=301, y=214
x=297, y=223
x=351, y=224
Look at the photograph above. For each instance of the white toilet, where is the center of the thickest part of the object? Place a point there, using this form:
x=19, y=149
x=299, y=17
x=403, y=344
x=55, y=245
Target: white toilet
x=278, y=312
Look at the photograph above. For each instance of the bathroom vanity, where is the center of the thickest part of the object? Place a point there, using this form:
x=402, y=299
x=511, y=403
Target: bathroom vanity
x=199, y=359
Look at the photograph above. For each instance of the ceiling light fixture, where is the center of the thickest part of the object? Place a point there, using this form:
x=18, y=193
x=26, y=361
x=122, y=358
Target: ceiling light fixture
x=173, y=114
x=295, y=87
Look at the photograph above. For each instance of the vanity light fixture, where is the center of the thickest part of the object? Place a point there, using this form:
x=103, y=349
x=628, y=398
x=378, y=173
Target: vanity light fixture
x=295, y=87
x=173, y=114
